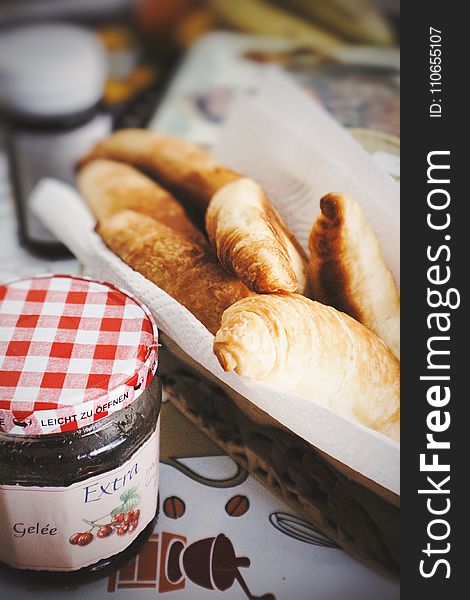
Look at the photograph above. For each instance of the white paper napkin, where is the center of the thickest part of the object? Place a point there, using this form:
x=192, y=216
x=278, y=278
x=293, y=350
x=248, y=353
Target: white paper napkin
x=285, y=140
x=294, y=172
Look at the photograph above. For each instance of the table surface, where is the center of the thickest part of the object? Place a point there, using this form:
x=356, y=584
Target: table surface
x=288, y=557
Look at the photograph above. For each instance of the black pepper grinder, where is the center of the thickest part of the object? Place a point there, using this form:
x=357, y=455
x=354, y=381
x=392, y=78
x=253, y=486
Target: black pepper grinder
x=52, y=78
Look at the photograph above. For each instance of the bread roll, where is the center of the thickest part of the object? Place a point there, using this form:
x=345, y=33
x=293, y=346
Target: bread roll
x=252, y=241
x=348, y=270
x=187, y=271
x=185, y=169
x=109, y=187
x=315, y=351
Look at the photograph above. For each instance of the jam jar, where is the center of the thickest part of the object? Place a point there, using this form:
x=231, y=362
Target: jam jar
x=79, y=426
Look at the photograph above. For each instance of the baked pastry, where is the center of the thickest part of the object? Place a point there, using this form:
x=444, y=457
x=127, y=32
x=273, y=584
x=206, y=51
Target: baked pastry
x=184, y=168
x=315, y=351
x=348, y=270
x=109, y=187
x=251, y=240
x=186, y=270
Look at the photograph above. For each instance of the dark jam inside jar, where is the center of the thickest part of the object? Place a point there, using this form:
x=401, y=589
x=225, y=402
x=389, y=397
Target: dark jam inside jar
x=63, y=459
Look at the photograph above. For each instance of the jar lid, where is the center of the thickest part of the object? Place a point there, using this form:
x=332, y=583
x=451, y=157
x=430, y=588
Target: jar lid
x=72, y=350
x=51, y=69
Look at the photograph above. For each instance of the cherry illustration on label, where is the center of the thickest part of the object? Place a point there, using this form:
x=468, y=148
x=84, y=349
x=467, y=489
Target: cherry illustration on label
x=123, y=519
x=81, y=539
x=104, y=531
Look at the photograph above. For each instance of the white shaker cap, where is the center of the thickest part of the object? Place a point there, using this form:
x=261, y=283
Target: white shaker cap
x=49, y=70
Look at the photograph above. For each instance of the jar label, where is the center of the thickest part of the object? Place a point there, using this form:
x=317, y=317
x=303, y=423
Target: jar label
x=65, y=529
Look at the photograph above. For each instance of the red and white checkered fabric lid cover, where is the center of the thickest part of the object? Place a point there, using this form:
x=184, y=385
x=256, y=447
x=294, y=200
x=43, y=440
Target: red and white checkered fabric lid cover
x=72, y=351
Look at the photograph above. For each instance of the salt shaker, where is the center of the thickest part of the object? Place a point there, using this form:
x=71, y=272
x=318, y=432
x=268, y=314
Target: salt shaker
x=51, y=80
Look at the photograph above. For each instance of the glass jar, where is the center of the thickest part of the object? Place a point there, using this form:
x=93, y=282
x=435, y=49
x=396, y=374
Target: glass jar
x=80, y=501
x=62, y=460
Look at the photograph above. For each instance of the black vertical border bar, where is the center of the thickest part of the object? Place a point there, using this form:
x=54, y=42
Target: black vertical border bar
x=421, y=134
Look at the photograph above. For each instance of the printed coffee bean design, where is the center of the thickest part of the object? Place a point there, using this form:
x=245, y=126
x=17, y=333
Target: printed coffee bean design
x=174, y=507
x=237, y=506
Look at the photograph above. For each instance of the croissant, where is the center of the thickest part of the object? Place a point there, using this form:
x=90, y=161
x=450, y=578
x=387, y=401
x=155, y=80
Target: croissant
x=184, y=168
x=315, y=351
x=186, y=270
x=109, y=187
x=252, y=241
x=348, y=270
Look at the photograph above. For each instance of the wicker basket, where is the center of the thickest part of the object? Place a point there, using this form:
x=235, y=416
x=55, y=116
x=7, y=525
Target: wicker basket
x=357, y=514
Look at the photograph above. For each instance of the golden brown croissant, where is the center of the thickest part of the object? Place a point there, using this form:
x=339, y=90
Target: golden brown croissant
x=109, y=187
x=252, y=241
x=348, y=270
x=186, y=270
x=315, y=351
x=185, y=169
